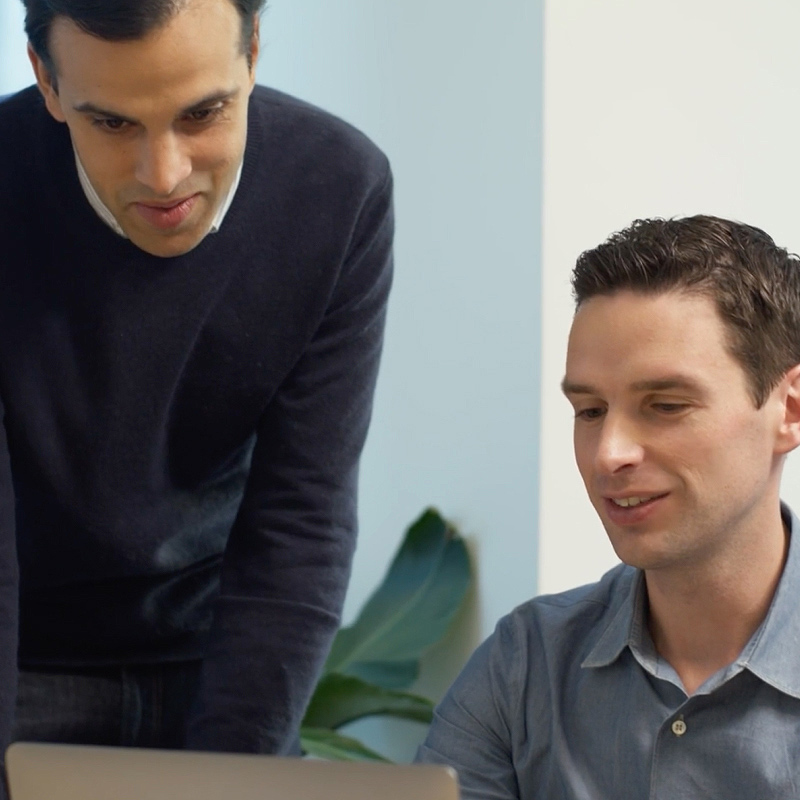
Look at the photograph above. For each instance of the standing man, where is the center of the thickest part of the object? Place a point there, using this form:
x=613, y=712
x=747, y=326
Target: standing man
x=193, y=287
x=676, y=676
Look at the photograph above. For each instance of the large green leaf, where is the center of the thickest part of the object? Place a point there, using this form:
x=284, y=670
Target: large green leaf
x=388, y=674
x=410, y=610
x=339, y=699
x=323, y=743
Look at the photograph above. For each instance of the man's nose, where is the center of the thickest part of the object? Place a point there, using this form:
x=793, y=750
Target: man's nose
x=163, y=165
x=620, y=445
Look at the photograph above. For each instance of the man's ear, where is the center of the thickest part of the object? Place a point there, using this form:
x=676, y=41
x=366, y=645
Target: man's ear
x=46, y=85
x=789, y=430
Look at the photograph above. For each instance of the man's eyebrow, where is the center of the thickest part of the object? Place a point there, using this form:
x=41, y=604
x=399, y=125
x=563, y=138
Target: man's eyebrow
x=91, y=108
x=208, y=100
x=665, y=384
x=576, y=388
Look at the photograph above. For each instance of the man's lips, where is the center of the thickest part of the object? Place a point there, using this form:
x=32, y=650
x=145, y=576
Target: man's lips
x=631, y=508
x=633, y=499
x=167, y=215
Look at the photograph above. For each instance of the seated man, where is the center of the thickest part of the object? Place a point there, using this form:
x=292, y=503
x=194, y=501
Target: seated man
x=675, y=676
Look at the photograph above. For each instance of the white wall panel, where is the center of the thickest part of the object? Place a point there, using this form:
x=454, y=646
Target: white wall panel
x=652, y=109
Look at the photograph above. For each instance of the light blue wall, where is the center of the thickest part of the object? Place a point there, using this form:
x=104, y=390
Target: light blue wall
x=452, y=91
x=15, y=70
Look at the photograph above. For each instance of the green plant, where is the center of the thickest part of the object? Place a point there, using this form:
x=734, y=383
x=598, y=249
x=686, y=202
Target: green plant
x=376, y=658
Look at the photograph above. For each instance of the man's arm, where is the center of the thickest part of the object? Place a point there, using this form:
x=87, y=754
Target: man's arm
x=475, y=726
x=9, y=594
x=287, y=562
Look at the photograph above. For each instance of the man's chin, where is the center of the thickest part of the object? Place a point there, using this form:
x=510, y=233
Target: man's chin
x=169, y=234
x=168, y=244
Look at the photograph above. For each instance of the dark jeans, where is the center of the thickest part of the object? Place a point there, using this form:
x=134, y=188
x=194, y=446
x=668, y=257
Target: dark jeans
x=141, y=706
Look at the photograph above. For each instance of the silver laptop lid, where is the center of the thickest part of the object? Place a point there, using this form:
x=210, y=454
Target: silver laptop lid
x=77, y=772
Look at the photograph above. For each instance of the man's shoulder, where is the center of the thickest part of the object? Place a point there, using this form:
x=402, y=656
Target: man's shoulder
x=300, y=127
x=21, y=108
x=25, y=124
x=577, y=613
x=26, y=131
x=542, y=644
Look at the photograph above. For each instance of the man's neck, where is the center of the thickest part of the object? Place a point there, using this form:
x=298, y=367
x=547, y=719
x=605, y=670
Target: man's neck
x=700, y=620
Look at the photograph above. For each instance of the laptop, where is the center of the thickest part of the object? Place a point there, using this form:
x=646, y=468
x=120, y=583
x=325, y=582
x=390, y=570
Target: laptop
x=82, y=772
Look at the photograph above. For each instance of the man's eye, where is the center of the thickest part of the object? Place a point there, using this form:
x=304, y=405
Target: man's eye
x=112, y=124
x=589, y=413
x=669, y=408
x=204, y=114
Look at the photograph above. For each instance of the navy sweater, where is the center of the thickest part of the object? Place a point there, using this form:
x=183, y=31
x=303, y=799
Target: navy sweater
x=180, y=438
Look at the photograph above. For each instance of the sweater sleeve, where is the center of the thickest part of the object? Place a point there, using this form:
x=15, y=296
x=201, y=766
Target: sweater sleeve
x=9, y=593
x=287, y=562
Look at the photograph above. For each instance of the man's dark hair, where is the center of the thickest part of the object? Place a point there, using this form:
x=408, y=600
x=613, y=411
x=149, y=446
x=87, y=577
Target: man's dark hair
x=116, y=20
x=754, y=284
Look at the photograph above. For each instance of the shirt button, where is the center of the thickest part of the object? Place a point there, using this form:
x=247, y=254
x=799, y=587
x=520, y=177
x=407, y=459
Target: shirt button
x=679, y=727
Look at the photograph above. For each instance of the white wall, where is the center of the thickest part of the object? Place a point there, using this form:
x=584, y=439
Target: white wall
x=652, y=109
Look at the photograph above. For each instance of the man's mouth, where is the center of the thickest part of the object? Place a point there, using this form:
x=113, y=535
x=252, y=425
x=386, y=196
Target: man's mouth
x=635, y=500
x=166, y=216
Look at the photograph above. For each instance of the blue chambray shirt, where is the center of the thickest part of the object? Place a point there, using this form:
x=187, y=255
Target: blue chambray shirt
x=569, y=699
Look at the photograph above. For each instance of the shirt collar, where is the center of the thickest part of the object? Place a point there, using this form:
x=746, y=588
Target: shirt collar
x=625, y=627
x=773, y=652
x=105, y=214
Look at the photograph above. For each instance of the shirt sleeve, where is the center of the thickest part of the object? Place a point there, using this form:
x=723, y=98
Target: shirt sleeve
x=9, y=594
x=474, y=726
x=287, y=562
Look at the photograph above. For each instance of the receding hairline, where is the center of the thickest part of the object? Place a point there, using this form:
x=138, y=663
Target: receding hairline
x=700, y=288
x=248, y=28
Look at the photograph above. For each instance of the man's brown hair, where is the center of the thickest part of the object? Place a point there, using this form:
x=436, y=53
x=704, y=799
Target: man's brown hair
x=754, y=284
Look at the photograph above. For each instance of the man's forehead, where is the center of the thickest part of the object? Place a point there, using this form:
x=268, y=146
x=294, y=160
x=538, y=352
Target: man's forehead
x=676, y=381
x=614, y=311
x=642, y=342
